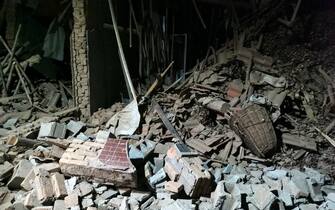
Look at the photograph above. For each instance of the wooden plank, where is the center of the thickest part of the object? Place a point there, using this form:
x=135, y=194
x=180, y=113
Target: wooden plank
x=199, y=145
x=299, y=141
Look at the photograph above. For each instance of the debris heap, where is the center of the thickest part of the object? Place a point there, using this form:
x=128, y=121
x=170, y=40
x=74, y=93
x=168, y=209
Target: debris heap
x=238, y=133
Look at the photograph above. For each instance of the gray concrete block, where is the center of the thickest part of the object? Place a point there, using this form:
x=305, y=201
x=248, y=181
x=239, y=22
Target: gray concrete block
x=21, y=171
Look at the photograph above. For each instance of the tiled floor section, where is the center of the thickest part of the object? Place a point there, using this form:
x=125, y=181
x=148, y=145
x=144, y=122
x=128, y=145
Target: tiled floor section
x=114, y=154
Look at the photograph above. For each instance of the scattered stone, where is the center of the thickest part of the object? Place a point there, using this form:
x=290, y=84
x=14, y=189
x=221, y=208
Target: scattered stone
x=298, y=184
x=31, y=200
x=59, y=205
x=331, y=197
x=277, y=174
x=101, y=189
x=19, y=206
x=116, y=202
x=133, y=204
x=27, y=183
x=195, y=179
x=140, y=196
x=205, y=206
x=20, y=172
x=58, y=184
x=172, y=186
x=124, y=204
x=180, y=204
x=82, y=136
x=75, y=127
x=262, y=198
x=315, y=190
x=43, y=187
x=148, y=202
x=83, y=188
x=285, y=197
x=159, y=163
x=124, y=191
x=231, y=203
x=5, y=170
x=172, y=168
x=71, y=200
x=105, y=195
x=273, y=184
x=103, y=136
x=87, y=202
x=6, y=206
x=70, y=183
x=308, y=207
x=315, y=175
x=158, y=177
x=56, y=151
x=328, y=189
x=52, y=129
x=219, y=195
x=50, y=167
x=162, y=194
x=43, y=208
x=158, y=204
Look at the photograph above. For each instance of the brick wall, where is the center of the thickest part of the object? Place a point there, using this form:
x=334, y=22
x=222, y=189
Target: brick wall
x=80, y=75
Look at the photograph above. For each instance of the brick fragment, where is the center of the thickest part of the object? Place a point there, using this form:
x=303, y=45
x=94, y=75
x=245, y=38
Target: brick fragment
x=43, y=187
x=56, y=151
x=71, y=200
x=59, y=205
x=172, y=168
x=20, y=172
x=50, y=167
x=172, y=186
x=28, y=180
x=83, y=188
x=43, y=208
x=31, y=200
x=58, y=184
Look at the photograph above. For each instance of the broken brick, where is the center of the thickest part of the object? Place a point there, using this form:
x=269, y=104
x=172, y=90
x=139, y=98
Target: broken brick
x=20, y=172
x=172, y=186
x=43, y=188
x=71, y=200
x=58, y=184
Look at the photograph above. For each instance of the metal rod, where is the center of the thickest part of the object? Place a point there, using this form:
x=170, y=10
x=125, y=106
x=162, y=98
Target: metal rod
x=199, y=14
x=166, y=121
x=130, y=27
x=14, y=46
x=130, y=87
x=26, y=90
x=18, y=65
x=3, y=82
x=10, y=75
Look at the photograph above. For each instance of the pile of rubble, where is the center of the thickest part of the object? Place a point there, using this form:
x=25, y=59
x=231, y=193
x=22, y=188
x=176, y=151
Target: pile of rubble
x=228, y=137
x=26, y=99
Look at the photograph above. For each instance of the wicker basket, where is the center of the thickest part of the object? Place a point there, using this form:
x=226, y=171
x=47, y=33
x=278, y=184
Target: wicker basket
x=254, y=126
